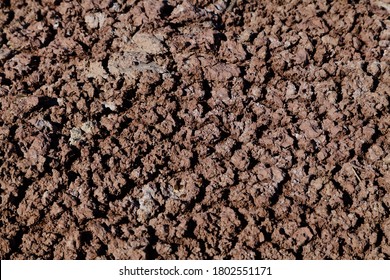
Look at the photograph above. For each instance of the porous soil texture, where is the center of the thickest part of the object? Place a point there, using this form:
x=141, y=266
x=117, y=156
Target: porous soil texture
x=194, y=129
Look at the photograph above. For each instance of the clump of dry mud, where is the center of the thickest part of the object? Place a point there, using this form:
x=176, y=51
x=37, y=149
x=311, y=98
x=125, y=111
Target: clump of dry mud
x=194, y=130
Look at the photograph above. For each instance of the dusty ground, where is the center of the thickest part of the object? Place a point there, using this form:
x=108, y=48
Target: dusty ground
x=187, y=130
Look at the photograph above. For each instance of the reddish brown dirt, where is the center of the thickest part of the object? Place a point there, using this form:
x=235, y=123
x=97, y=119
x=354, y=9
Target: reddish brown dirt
x=187, y=130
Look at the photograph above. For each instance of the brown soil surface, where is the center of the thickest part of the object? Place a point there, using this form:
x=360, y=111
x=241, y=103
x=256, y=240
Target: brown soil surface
x=191, y=130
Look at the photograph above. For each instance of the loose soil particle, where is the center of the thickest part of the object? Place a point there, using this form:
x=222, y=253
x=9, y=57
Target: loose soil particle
x=194, y=129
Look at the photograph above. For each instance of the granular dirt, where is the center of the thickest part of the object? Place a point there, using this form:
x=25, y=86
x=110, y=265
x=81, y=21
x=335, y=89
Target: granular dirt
x=194, y=129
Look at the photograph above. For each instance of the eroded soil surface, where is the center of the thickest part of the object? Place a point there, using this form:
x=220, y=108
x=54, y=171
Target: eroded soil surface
x=192, y=130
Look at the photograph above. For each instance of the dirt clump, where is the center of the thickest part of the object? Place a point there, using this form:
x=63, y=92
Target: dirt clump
x=194, y=129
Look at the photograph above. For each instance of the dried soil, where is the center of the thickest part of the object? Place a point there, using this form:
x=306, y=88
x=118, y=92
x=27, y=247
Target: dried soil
x=192, y=130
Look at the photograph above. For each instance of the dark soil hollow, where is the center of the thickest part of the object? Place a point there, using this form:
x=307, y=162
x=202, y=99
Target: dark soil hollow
x=194, y=129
